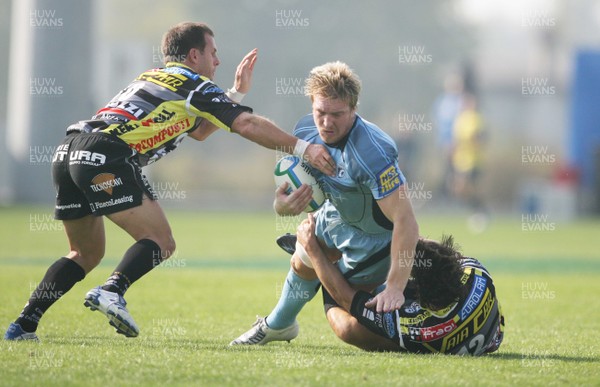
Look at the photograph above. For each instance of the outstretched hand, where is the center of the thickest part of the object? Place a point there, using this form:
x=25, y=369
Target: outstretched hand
x=243, y=74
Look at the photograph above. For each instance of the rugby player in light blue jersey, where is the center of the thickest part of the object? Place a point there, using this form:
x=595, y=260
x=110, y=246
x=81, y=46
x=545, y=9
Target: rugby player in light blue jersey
x=367, y=224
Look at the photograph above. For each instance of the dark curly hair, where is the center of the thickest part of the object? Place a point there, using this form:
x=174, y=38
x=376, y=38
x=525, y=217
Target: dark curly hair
x=437, y=273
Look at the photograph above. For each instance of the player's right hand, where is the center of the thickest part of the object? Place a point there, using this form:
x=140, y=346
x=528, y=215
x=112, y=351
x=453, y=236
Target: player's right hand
x=294, y=203
x=243, y=73
x=318, y=156
x=387, y=301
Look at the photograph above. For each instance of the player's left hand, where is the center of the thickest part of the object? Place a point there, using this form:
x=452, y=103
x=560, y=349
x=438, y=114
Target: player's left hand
x=318, y=156
x=390, y=299
x=243, y=74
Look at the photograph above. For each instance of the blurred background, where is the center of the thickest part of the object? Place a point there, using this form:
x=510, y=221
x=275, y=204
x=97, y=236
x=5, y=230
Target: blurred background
x=493, y=104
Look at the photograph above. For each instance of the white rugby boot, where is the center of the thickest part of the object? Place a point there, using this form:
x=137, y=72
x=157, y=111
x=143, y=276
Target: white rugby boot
x=113, y=306
x=261, y=334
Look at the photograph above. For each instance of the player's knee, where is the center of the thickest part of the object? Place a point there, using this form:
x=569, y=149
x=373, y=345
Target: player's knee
x=343, y=331
x=88, y=259
x=301, y=269
x=343, y=328
x=347, y=332
x=95, y=254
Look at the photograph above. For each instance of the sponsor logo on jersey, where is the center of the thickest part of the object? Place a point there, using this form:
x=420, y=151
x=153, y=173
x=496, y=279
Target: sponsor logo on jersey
x=388, y=320
x=183, y=71
x=123, y=128
x=389, y=179
x=437, y=331
x=484, y=312
x=161, y=117
x=164, y=79
x=414, y=307
x=455, y=338
x=474, y=298
x=162, y=136
x=126, y=106
x=105, y=182
x=473, y=324
x=212, y=88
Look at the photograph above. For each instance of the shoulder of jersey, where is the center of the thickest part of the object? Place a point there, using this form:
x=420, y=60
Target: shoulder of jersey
x=306, y=122
x=306, y=128
x=377, y=134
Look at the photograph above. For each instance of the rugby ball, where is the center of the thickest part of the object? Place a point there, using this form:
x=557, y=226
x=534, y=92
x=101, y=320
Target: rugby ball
x=292, y=170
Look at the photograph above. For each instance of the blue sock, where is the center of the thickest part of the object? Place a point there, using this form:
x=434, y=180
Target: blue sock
x=295, y=294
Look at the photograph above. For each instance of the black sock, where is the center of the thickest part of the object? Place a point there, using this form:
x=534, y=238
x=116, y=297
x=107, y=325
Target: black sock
x=59, y=279
x=142, y=257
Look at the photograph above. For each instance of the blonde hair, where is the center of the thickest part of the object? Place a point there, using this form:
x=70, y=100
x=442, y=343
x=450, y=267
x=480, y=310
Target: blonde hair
x=334, y=80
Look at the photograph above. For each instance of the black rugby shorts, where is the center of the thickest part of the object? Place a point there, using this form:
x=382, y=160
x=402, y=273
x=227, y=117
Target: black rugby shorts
x=95, y=173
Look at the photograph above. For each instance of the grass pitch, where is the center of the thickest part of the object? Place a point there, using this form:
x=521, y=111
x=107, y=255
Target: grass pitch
x=228, y=269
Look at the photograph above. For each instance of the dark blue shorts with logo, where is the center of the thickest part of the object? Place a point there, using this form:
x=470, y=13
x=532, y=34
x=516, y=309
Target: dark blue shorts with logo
x=96, y=173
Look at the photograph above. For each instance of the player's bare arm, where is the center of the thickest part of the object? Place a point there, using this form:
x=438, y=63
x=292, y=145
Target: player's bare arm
x=264, y=132
x=204, y=129
x=342, y=322
x=397, y=208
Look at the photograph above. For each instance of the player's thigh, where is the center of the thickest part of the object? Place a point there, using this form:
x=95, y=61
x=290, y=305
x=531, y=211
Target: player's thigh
x=86, y=240
x=146, y=221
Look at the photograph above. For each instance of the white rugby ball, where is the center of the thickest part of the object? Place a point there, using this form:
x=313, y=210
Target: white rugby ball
x=292, y=170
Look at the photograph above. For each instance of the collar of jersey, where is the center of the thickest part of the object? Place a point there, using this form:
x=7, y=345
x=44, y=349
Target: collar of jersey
x=188, y=71
x=178, y=64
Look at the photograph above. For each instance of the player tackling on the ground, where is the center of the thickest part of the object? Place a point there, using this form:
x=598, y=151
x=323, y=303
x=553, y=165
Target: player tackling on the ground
x=451, y=304
x=97, y=170
x=367, y=220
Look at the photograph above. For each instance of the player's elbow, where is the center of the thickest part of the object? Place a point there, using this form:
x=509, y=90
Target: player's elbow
x=412, y=227
x=198, y=135
x=244, y=124
x=407, y=225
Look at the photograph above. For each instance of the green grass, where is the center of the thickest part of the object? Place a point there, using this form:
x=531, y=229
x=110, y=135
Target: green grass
x=227, y=270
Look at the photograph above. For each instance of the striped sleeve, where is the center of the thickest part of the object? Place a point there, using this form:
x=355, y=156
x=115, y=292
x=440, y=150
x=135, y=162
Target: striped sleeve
x=210, y=102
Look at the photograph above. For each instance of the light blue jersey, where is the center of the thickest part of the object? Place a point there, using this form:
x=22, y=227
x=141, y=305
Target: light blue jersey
x=351, y=220
x=367, y=170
